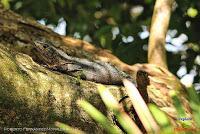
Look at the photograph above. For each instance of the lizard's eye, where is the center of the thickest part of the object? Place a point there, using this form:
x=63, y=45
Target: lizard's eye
x=45, y=46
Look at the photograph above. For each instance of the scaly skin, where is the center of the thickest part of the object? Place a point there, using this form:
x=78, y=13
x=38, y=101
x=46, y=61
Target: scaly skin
x=95, y=71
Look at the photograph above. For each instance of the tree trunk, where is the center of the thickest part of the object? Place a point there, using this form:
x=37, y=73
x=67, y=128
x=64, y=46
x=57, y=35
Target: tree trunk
x=30, y=94
x=159, y=27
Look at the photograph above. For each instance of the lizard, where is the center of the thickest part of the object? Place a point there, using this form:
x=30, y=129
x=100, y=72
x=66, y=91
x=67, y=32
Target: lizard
x=96, y=71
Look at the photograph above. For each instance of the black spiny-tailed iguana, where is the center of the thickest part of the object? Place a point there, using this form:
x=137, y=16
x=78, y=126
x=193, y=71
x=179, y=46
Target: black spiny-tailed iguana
x=96, y=71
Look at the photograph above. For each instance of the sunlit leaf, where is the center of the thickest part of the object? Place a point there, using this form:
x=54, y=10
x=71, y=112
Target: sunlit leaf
x=179, y=108
x=141, y=107
x=6, y=3
x=161, y=118
x=194, y=104
x=68, y=129
x=125, y=121
x=98, y=117
x=192, y=12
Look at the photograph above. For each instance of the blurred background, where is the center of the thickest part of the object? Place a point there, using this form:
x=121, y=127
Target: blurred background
x=122, y=26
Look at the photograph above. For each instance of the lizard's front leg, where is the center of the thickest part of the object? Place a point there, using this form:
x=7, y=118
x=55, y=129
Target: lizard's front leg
x=66, y=67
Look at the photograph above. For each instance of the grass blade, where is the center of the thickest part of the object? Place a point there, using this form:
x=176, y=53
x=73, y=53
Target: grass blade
x=161, y=119
x=125, y=121
x=98, y=117
x=141, y=108
x=68, y=129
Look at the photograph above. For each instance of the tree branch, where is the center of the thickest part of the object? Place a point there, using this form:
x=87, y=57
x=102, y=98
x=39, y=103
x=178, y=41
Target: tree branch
x=159, y=27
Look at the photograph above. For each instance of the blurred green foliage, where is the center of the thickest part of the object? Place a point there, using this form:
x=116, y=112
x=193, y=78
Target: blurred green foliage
x=165, y=127
x=122, y=26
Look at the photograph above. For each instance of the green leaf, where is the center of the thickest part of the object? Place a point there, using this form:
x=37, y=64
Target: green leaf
x=194, y=104
x=6, y=3
x=112, y=104
x=192, y=12
x=98, y=117
x=179, y=107
x=68, y=129
x=161, y=119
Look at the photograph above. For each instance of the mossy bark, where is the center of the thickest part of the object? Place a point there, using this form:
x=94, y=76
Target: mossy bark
x=33, y=96
x=30, y=94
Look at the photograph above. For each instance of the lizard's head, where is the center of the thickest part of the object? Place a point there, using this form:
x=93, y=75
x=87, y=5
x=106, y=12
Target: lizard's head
x=45, y=48
x=45, y=51
x=39, y=45
x=142, y=79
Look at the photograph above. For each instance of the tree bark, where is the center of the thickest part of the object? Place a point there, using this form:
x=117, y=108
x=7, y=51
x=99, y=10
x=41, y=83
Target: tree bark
x=30, y=94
